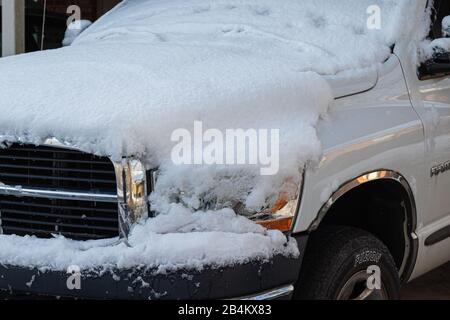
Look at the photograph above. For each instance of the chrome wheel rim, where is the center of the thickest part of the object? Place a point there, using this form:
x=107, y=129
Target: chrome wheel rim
x=356, y=289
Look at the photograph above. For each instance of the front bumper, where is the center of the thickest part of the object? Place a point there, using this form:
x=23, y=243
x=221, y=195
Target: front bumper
x=267, y=280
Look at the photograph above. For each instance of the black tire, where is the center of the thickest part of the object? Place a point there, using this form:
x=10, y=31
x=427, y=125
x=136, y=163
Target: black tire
x=337, y=255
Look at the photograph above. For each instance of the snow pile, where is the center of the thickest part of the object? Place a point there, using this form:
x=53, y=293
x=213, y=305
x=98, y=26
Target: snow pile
x=446, y=26
x=189, y=241
x=150, y=67
x=437, y=46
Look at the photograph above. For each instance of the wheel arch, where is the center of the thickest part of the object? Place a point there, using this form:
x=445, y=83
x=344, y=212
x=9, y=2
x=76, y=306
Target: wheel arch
x=374, y=179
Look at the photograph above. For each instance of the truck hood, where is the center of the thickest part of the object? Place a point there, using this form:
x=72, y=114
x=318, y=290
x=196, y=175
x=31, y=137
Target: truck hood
x=120, y=100
x=149, y=68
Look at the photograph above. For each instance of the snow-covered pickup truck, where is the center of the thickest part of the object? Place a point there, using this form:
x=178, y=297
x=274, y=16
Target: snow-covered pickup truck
x=117, y=179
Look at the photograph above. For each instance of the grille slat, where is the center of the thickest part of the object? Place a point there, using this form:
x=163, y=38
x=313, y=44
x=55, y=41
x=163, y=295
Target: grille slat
x=41, y=177
x=59, y=225
x=42, y=149
x=50, y=215
x=48, y=234
x=49, y=159
x=55, y=206
x=57, y=169
x=12, y=166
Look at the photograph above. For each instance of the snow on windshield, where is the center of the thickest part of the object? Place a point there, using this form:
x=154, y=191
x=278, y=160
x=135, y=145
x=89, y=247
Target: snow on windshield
x=321, y=35
x=150, y=68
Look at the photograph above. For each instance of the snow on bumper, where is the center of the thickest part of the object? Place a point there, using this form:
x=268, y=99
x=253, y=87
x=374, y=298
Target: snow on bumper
x=106, y=269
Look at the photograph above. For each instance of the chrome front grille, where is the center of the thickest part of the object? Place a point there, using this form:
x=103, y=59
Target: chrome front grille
x=43, y=217
x=56, y=168
x=49, y=190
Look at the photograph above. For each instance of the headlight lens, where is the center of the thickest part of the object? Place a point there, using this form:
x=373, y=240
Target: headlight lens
x=281, y=215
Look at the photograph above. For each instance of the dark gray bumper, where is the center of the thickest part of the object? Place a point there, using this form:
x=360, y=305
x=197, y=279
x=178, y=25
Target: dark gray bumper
x=253, y=280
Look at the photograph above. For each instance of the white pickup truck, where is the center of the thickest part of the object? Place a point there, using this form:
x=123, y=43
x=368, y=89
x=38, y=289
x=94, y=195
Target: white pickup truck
x=377, y=199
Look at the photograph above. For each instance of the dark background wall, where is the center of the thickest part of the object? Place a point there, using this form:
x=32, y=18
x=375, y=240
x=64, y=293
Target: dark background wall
x=56, y=20
x=90, y=10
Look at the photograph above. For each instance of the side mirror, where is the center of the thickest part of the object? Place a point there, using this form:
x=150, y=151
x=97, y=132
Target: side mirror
x=74, y=30
x=438, y=53
x=438, y=63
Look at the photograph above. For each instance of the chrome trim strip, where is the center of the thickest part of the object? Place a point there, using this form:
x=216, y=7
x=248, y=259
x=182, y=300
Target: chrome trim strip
x=131, y=178
x=270, y=295
x=56, y=194
x=365, y=178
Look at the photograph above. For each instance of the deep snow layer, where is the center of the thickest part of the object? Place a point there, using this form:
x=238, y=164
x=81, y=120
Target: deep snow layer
x=150, y=67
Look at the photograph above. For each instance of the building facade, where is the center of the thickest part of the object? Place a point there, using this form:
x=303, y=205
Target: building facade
x=22, y=21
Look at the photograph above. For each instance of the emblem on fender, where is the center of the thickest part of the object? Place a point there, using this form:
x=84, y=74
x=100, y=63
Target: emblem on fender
x=441, y=168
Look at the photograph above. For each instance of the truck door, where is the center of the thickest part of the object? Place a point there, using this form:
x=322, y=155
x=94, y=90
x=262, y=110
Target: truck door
x=430, y=96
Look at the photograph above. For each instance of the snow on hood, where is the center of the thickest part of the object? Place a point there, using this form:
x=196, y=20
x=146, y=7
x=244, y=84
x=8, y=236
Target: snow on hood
x=150, y=67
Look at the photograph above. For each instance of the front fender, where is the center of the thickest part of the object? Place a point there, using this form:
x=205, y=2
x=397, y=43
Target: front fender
x=367, y=132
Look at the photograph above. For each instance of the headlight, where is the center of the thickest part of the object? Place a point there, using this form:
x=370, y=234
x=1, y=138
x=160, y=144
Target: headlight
x=281, y=215
x=131, y=193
